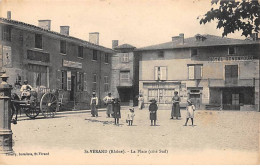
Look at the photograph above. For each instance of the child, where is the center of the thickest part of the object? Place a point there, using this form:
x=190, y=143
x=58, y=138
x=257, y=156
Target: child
x=153, y=112
x=130, y=116
x=116, y=110
x=190, y=112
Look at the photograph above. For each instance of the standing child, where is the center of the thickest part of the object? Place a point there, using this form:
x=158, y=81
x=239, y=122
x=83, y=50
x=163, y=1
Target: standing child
x=130, y=116
x=190, y=112
x=153, y=112
x=116, y=110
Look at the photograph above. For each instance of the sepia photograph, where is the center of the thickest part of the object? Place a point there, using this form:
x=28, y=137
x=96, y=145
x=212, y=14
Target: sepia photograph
x=129, y=82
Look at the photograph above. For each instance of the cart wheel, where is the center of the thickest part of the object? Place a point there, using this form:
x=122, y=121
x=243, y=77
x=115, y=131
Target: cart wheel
x=49, y=105
x=32, y=112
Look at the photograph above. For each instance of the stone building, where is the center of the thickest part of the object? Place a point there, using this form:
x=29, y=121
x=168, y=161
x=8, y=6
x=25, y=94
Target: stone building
x=48, y=59
x=214, y=72
x=124, y=82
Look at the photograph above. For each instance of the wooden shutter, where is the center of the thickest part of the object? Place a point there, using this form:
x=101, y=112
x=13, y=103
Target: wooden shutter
x=191, y=72
x=155, y=73
x=85, y=81
x=197, y=70
x=68, y=80
x=228, y=71
x=163, y=73
x=58, y=79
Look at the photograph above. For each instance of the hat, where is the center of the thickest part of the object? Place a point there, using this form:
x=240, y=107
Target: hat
x=153, y=100
x=109, y=93
x=132, y=109
x=189, y=101
x=175, y=92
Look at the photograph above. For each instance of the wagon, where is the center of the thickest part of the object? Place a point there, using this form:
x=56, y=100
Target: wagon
x=41, y=101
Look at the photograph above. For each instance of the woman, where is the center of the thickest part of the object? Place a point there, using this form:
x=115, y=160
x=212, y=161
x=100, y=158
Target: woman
x=176, y=106
x=140, y=102
x=93, y=104
x=108, y=100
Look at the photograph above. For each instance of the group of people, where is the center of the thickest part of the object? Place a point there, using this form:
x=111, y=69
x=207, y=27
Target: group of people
x=113, y=109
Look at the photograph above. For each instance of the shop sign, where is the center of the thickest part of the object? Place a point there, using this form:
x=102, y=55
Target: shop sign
x=72, y=64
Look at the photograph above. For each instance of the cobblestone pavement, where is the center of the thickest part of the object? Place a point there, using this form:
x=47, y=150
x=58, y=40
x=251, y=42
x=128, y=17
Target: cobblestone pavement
x=216, y=134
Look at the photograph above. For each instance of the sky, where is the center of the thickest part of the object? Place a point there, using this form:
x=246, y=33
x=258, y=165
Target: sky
x=136, y=22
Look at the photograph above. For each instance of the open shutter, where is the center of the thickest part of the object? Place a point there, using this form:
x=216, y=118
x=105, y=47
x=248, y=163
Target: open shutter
x=85, y=81
x=197, y=69
x=78, y=82
x=1, y=56
x=155, y=73
x=163, y=73
x=68, y=80
x=191, y=72
x=58, y=79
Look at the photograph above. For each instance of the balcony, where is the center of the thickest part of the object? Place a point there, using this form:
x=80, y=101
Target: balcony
x=231, y=82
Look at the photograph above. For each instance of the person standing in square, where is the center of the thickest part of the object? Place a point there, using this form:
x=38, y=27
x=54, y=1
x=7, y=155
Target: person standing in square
x=94, y=104
x=190, y=112
x=176, y=106
x=116, y=110
x=153, y=112
x=130, y=116
x=108, y=100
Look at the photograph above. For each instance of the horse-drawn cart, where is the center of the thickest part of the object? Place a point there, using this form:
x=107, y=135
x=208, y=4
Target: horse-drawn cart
x=41, y=100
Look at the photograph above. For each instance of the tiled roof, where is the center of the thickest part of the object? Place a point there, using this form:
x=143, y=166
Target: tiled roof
x=125, y=46
x=210, y=40
x=29, y=26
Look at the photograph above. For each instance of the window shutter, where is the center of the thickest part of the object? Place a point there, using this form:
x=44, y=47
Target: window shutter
x=191, y=72
x=85, y=81
x=163, y=73
x=68, y=80
x=155, y=73
x=78, y=82
x=197, y=69
x=58, y=79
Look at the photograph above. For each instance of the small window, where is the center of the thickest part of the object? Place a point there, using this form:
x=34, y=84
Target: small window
x=80, y=51
x=106, y=58
x=160, y=73
x=125, y=57
x=63, y=49
x=106, y=84
x=124, y=76
x=161, y=54
x=231, y=50
x=79, y=81
x=194, y=52
x=94, y=55
x=38, y=41
x=6, y=33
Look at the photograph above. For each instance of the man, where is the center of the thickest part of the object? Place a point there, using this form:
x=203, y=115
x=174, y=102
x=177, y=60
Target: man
x=25, y=89
x=108, y=100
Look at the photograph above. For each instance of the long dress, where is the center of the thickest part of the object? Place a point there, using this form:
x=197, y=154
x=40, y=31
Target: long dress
x=176, y=107
x=116, y=110
x=94, y=103
x=140, y=102
x=108, y=100
x=153, y=111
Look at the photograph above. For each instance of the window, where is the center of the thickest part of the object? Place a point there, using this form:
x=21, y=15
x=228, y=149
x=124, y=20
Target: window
x=94, y=55
x=79, y=81
x=63, y=80
x=85, y=81
x=194, y=52
x=6, y=33
x=106, y=58
x=94, y=82
x=231, y=50
x=160, y=73
x=195, y=71
x=68, y=80
x=106, y=84
x=80, y=51
x=124, y=76
x=125, y=57
x=231, y=74
x=160, y=54
x=38, y=41
x=37, y=75
x=63, y=49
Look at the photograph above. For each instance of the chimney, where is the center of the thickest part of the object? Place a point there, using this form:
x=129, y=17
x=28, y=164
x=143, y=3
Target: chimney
x=94, y=38
x=65, y=30
x=45, y=24
x=114, y=43
x=9, y=15
x=179, y=39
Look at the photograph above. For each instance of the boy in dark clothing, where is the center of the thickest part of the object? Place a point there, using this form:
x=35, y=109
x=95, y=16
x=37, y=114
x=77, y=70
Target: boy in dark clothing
x=153, y=112
x=116, y=110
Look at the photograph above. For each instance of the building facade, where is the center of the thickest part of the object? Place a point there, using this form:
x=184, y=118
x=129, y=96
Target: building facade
x=214, y=72
x=54, y=60
x=124, y=82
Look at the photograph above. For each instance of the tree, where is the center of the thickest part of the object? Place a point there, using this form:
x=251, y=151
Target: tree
x=234, y=15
